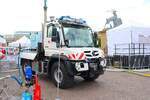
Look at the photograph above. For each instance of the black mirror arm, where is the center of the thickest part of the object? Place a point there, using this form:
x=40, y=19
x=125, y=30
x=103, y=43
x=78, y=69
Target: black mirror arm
x=67, y=42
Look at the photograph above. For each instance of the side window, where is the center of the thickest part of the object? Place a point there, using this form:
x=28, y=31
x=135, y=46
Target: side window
x=55, y=31
x=55, y=34
x=49, y=32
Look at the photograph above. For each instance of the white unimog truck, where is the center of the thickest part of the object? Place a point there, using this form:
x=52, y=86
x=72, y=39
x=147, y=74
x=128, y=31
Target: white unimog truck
x=69, y=49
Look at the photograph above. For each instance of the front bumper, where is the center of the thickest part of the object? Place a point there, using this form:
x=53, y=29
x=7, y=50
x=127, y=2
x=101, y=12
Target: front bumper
x=96, y=65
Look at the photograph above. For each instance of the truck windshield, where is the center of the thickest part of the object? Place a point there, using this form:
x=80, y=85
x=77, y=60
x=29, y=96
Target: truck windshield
x=78, y=36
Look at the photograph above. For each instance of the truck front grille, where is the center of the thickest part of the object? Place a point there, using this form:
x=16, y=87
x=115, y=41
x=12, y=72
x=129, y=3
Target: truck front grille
x=91, y=53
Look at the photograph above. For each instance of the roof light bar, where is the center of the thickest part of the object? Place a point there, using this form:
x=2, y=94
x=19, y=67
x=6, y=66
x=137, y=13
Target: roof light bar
x=73, y=20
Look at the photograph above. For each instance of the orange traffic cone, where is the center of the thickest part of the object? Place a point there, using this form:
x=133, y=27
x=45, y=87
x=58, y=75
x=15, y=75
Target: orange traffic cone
x=37, y=90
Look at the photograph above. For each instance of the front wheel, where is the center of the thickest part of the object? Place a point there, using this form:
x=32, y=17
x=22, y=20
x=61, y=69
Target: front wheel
x=60, y=76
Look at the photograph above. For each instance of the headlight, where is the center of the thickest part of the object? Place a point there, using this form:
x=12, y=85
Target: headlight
x=103, y=62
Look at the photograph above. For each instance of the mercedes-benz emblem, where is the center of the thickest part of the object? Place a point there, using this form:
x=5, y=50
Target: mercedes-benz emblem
x=94, y=53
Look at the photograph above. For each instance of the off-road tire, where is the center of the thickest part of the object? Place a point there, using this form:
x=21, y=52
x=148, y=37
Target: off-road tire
x=67, y=80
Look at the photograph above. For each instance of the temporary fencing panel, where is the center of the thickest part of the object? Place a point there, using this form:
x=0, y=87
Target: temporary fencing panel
x=133, y=56
x=8, y=58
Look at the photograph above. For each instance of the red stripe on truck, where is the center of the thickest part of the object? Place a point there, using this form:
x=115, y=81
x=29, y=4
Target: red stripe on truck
x=82, y=54
x=73, y=55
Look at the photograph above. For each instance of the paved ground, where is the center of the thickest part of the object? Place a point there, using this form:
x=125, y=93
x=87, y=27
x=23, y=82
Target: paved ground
x=110, y=86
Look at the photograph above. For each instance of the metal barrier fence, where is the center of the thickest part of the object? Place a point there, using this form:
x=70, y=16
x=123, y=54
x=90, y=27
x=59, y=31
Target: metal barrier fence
x=8, y=58
x=9, y=89
x=132, y=56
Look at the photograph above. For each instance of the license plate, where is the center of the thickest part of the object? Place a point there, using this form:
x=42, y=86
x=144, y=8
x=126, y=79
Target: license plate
x=80, y=68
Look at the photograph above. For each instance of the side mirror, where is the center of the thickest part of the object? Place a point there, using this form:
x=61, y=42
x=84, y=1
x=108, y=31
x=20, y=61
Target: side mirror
x=95, y=35
x=95, y=39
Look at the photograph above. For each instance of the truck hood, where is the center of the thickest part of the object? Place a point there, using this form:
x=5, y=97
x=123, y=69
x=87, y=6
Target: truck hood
x=82, y=53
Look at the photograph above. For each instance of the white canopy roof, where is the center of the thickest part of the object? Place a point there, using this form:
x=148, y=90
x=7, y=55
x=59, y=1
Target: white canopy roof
x=126, y=33
x=23, y=41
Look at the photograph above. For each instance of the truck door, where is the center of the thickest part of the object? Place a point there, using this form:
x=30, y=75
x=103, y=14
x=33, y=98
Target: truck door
x=51, y=41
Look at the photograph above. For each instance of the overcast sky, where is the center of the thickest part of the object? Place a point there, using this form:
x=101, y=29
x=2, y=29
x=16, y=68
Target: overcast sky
x=27, y=15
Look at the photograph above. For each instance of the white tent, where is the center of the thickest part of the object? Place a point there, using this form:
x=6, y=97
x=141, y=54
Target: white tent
x=2, y=40
x=23, y=41
x=126, y=33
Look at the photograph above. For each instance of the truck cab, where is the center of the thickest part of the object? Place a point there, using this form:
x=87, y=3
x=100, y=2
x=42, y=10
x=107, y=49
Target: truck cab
x=70, y=48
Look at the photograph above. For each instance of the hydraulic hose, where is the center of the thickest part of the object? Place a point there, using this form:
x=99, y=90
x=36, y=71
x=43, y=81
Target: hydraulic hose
x=20, y=82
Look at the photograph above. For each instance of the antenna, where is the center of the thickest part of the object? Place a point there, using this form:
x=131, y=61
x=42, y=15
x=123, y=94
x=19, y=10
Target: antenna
x=45, y=11
x=57, y=91
x=45, y=19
